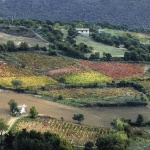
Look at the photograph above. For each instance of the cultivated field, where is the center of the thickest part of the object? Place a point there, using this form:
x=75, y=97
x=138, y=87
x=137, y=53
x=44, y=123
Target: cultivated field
x=101, y=48
x=86, y=77
x=116, y=69
x=76, y=134
x=18, y=39
x=9, y=72
x=93, y=116
x=83, y=97
x=39, y=61
x=146, y=84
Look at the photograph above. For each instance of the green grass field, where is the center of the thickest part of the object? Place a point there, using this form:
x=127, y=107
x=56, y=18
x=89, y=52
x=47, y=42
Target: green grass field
x=99, y=47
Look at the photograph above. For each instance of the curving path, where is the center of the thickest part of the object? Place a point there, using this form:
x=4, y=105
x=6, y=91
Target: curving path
x=93, y=116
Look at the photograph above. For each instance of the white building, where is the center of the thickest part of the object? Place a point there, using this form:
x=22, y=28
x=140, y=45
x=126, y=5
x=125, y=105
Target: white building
x=83, y=31
x=22, y=108
x=101, y=30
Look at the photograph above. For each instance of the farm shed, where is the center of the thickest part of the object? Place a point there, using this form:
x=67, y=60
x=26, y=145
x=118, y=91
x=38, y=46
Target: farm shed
x=101, y=30
x=22, y=108
x=83, y=31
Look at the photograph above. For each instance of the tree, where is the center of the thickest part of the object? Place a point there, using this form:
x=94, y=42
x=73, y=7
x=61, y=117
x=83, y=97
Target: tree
x=126, y=56
x=78, y=117
x=3, y=48
x=13, y=106
x=33, y=112
x=16, y=83
x=3, y=127
x=41, y=141
x=114, y=141
x=88, y=145
x=37, y=47
x=140, y=119
x=72, y=32
x=24, y=46
x=11, y=46
x=96, y=55
x=8, y=141
x=107, y=56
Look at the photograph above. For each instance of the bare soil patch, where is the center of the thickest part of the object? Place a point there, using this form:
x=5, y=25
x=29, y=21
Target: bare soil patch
x=93, y=116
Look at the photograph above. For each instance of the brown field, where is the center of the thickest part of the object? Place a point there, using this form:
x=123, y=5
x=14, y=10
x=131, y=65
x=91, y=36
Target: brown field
x=18, y=39
x=93, y=116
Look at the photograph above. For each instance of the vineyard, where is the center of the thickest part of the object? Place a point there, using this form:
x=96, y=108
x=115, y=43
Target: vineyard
x=90, y=92
x=83, y=97
x=115, y=69
x=8, y=72
x=85, y=77
x=31, y=81
x=38, y=61
x=75, y=133
x=146, y=84
x=65, y=70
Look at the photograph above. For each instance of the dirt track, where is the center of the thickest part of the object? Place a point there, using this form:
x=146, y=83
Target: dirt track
x=93, y=116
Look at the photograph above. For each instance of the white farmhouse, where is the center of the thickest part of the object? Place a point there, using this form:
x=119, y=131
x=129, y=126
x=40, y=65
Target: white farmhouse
x=22, y=108
x=83, y=31
x=101, y=30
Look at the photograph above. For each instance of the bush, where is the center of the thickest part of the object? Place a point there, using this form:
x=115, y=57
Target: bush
x=112, y=142
x=88, y=145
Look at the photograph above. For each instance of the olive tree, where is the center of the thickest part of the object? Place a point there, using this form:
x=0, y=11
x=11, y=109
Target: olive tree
x=13, y=106
x=78, y=117
x=140, y=119
x=33, y=112
x=16, y=83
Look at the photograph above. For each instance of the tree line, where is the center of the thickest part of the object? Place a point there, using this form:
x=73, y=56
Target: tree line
x=137, y=51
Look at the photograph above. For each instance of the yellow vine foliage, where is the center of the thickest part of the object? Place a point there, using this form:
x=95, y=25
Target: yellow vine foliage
x=30, y=81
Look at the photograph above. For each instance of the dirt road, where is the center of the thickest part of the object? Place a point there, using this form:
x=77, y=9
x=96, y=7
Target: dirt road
x=93, y=116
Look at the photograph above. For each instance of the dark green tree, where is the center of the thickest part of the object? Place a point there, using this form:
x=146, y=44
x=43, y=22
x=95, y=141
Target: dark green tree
x=34, y=140
x=33, y=112
x=8, y=141
x=107, y=56
x=37, y=47
x=78, y=117
x=126, y=56
x=24, y=46
x=3, y=48
x=96, y=55
x=16, y=83
x=140, y=119
x=11, y=46
x=88, y=145
x=13, y=106
x=3, y=127
x=72, y=32
x=112, y=142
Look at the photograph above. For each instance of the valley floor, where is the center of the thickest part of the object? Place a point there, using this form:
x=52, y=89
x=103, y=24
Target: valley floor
x=93, y=116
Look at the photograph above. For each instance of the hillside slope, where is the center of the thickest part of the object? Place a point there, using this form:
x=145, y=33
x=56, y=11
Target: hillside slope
x=131, y=12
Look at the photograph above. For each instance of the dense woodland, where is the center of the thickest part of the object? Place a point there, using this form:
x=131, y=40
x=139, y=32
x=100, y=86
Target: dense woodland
x=131, y=12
